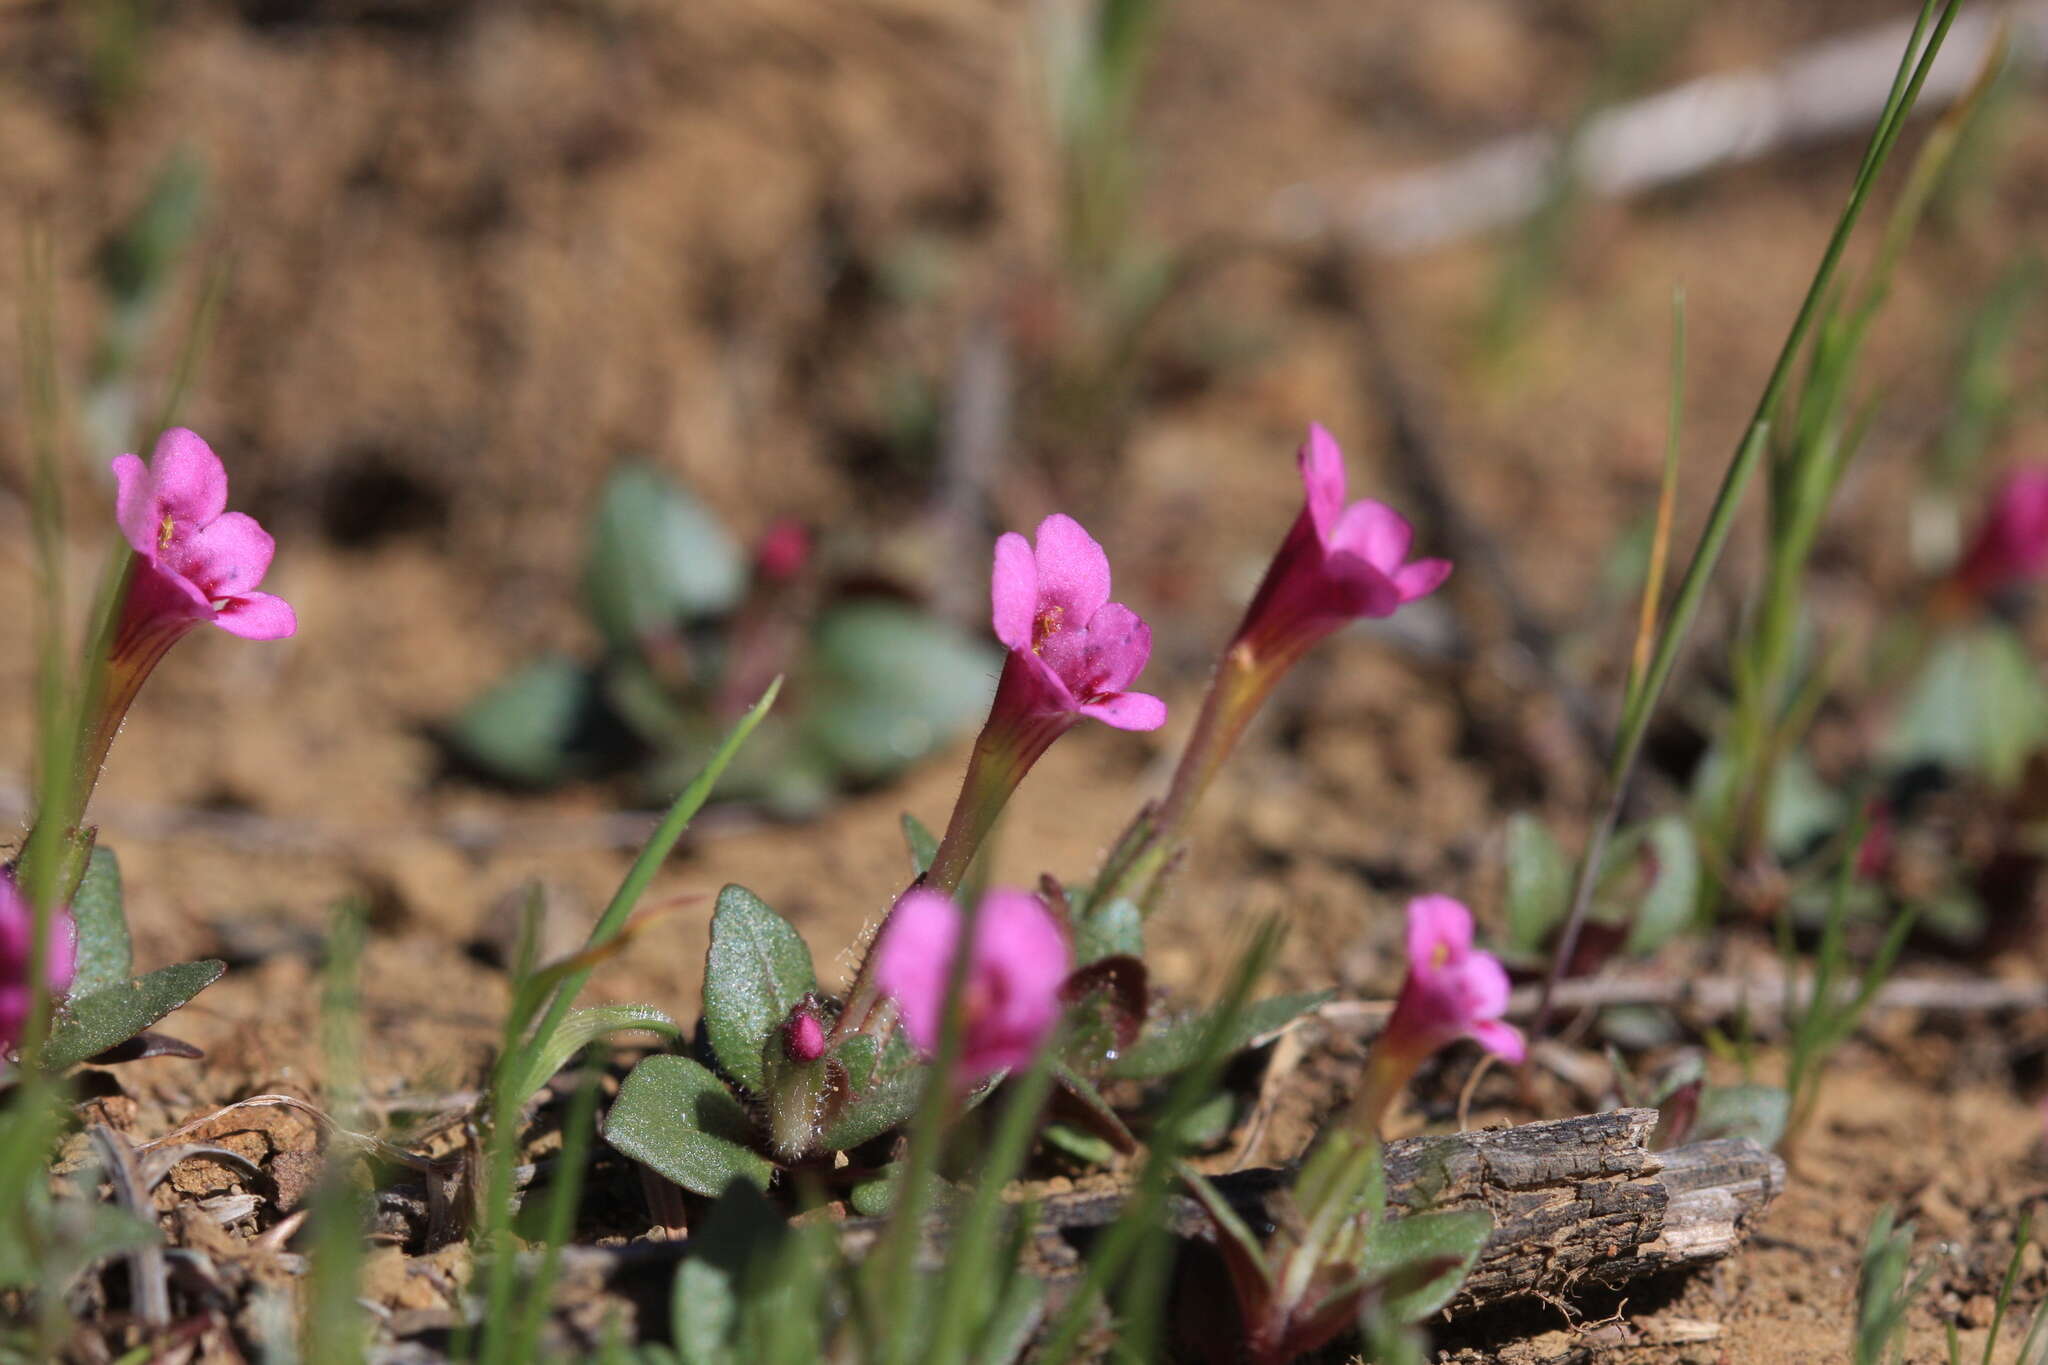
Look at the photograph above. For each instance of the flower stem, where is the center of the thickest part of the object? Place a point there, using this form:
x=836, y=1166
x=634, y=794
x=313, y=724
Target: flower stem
x=1010, y=742
x=1387, y=1073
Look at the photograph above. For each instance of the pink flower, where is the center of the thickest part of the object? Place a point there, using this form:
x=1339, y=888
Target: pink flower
x=199, y=561
x=1337, y=564
x=194, y=561
x=17, y=941
x=1072, y=654
x=1072, y=650
x=2011, y=545
x=1011, y=994
x=1453, y=990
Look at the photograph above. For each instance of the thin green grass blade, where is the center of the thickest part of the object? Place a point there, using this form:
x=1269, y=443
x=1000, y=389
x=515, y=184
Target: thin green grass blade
x=335, y=1328
x=1912, y=74
x=641, y=874
x=973, y=1280
x=1138, y=1231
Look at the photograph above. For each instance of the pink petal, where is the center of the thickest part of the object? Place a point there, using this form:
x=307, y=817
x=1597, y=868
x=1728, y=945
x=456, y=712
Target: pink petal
x=257, y=616
x=913, y=960
x=1503, y=1040
x=1322, y=479
x=1127, y=710
x=1436, y=922
x=1039, y=688
x=1375, y=532
x=1104, y=655
x=160, y=591
x=1348, y=586
x=1421, y=578
x=1482, y=985
x=188, y=483
x=1073, y=571
x=1020, y=962
x=225, y=558
x=132, y=511
x=1013, y=590
x=14, y=1004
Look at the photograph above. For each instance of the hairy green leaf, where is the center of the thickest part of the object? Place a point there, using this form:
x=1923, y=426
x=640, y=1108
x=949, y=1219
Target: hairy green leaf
x=677, y=1119
x=756, y=972
x=89, y=1024
x=105, y=955
x=1171, y=1048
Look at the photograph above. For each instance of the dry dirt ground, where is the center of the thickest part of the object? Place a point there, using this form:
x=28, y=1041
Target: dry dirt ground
x=481, y=250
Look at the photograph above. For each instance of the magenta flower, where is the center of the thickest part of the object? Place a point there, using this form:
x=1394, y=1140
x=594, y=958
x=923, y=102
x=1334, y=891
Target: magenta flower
x=2011, y=545
x=17, y=942
x=1339, y=562
x=1011, y=995
x=194, y=561
x=1453, y=990
x=1072, y=654
x=199, y=561
x=1072, y=650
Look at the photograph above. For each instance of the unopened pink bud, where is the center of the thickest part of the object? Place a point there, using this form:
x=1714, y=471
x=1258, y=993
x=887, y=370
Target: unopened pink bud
x=803, y=1035
x=782, y=551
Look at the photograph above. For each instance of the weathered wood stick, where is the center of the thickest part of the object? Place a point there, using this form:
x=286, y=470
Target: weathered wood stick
x=1576, y=1202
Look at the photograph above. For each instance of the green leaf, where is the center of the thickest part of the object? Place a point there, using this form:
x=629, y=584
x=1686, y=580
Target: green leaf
x=105, y=956
x=858, y=1054
x=1419, y=1240
x=886, y=1103
x=1667, y=908
x=1752, y=1111
x=757, y=971
x=1175, y=1046
x=873, y=1197
x=1804, y=809
x=876, y=1195
x=885, y=1082
x=1538, y=885
x=1116, y=930
x=886, y=684
x=706, y=1313
x=657, y=557
x=579, y=1029
x=89, y=1024
x=729, y=1255
x=923, y=844
x=139, y=261
x=1092, y=1110
x=1979, y=705
x=677, y=1119
x=1083, y=1146
x=529, y=727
